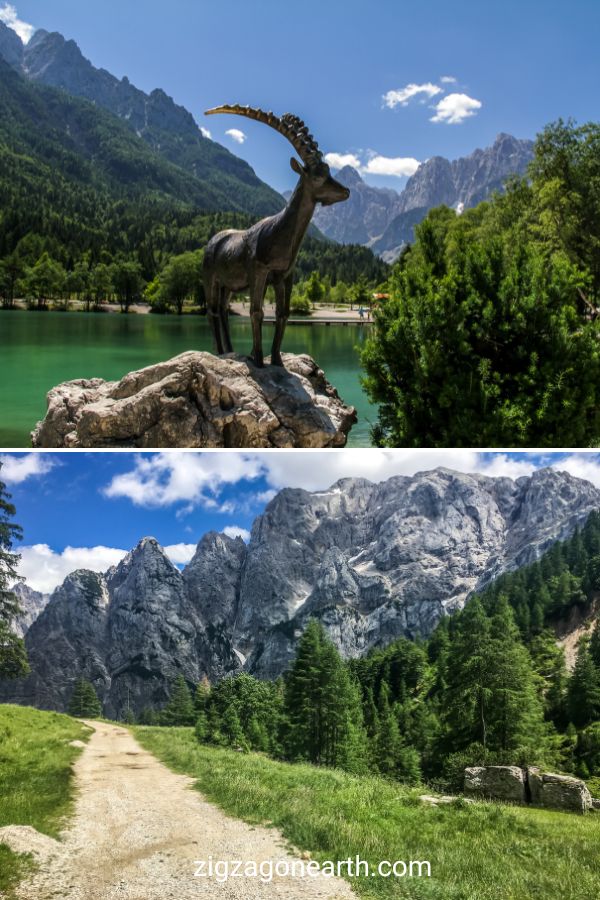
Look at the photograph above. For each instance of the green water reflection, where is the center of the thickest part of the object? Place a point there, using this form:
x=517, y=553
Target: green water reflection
x=39, y=350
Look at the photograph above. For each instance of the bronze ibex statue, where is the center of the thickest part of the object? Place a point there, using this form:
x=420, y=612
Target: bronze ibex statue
x=266, y=253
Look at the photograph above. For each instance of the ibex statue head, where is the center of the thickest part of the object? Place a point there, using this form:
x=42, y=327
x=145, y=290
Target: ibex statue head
x=315, y=171
x=266, y=253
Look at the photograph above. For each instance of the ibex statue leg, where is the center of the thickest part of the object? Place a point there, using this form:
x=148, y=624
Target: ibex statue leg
x=224, y=319
x=212, y=291
x=257, y=296
x=283, y=293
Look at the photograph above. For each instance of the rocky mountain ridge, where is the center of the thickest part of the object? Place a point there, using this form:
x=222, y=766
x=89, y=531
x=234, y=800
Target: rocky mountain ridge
x=372, y=562
x=384, y=219
x=169, y=129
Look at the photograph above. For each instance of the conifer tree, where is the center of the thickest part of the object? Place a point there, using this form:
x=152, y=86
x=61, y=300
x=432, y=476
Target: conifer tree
x=13, y=657
x=201, y=695
x=583, y=699
x=323, y=707
x=466, y=704
x=515, y=714
x=180, y=708
x=84, y=701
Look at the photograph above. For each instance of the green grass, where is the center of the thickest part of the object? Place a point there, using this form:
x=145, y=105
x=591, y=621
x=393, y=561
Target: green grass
x=477, y=852
x=35, y=777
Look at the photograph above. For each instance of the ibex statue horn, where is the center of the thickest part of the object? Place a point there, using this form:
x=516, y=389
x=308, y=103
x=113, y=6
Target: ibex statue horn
x=266, y=253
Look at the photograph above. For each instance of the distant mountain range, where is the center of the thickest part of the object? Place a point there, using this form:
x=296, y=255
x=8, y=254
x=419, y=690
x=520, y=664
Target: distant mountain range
x=154, y=139
x=384, y=219
x=372, y=562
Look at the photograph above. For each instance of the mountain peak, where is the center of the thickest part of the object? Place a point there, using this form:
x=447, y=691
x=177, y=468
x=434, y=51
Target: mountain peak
x=11, y=46
x=348, y=175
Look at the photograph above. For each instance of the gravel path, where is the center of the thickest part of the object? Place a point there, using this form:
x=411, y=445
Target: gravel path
x=138, y=830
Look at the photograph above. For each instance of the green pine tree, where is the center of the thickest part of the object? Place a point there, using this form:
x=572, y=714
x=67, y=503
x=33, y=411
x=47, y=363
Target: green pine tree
x=180, y=708
x=84, y=702
x=515, y=715
x=13, y=657
x=583, y=696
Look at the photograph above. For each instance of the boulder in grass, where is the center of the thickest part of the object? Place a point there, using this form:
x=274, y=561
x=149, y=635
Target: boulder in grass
x=496, y=782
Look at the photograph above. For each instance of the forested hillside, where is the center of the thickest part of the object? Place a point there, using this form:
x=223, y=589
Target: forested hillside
x=490, y=336
x=489, y=687
x=78, y=185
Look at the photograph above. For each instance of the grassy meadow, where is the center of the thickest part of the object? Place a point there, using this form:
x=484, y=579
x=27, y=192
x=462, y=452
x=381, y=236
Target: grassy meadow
x=35, y=777
x=482, y=851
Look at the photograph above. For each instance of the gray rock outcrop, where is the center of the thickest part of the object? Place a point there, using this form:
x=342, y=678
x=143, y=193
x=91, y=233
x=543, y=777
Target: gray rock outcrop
x=384, y=219
x=558, y=791
x=32, y=603
x=200, y=400
x=372, y=562
x=513, y=784
x=496, y=782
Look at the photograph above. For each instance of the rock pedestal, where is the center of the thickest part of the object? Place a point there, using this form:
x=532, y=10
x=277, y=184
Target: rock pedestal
x=200, y=400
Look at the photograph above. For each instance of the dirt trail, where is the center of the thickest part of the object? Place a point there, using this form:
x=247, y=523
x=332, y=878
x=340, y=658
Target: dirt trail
x=138, y=828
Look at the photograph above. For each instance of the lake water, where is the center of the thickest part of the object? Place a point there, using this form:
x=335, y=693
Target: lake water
x=38, y=350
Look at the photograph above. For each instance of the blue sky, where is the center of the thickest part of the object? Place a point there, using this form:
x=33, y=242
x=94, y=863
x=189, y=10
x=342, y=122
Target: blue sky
x=85, y=510
x=526, y=63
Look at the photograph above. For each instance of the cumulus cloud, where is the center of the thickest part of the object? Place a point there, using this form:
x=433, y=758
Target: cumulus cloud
x=236, y=135
x=17, y=468
x=402, y=96
x=234, y=531
x=180, y=554
x=395, y=165
x=455, y=108
x=399, y=166
x=44, y=569
x=8, y=15
x=339, y=160
x=164, y=479
x=448, y=79
x=378, y=465
x=205, y=132
x=581, y=465
x=196, y=479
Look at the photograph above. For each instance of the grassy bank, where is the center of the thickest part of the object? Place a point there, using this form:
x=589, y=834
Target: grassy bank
x=35, y=777
x=477, y=852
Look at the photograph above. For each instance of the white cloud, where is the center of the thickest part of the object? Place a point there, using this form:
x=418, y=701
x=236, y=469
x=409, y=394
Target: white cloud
x=448, y=79
x=196, y=479
x=236, y=135
x=402, y=96
x=339, y=160
x=302, y=470
x=205, y=132
x=44, y=569
x=17, y=468
x=234, y=531
x=581, y=465
x=455, y=108
x=164, y=479
x=8, y=15
x=396, y=165
x=180, y=554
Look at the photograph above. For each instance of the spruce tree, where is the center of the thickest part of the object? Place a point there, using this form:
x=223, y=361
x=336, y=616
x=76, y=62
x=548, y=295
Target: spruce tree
x=202, y=694
x=180, y=708
x=323, y=706
x=583, y=696
x=13, y=657
x=84, y=701
x=515, y=714
x=466, y=703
